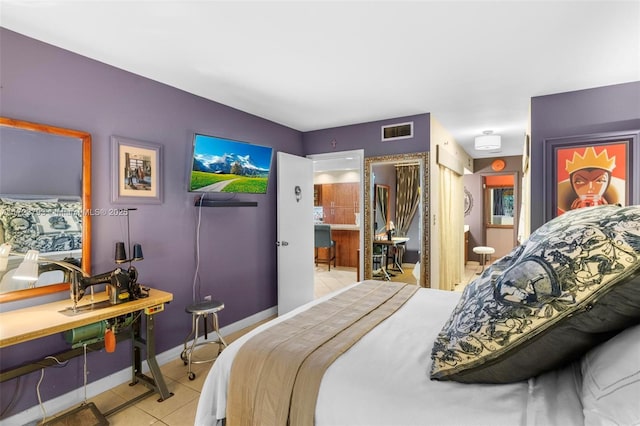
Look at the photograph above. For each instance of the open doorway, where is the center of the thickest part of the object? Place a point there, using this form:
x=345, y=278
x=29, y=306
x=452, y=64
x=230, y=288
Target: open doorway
x=338, y=202
x=500, y=213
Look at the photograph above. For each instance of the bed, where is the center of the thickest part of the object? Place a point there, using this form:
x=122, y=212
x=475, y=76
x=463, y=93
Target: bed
x=548, y=335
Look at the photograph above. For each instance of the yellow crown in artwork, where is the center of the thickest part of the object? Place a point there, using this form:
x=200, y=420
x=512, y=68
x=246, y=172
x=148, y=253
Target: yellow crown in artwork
x=590, y=160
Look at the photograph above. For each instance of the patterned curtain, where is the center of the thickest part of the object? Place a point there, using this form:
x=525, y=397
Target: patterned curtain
x=381, y=218
x=451, y=228
x=407, y=196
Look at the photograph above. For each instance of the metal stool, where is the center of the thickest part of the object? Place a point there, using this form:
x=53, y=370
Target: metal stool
x=483, y=251
x=204, y=310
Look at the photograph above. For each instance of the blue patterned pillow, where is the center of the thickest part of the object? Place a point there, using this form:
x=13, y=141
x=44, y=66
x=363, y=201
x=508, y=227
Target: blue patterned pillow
x=572, y=285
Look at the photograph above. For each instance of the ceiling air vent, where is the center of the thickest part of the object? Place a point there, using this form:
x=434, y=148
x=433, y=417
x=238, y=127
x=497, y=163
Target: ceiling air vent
x=394, y=132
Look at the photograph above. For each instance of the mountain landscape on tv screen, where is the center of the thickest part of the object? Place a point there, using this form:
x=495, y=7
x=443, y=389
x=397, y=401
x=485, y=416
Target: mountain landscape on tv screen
x=230, y=164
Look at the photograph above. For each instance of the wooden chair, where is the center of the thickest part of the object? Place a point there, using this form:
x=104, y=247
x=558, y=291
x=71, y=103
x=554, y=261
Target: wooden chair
x=323, y=240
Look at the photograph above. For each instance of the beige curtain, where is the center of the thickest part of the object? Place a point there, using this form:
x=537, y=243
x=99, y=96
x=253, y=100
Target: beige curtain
x=407, y=196
x=451, y=228
x=523, y=220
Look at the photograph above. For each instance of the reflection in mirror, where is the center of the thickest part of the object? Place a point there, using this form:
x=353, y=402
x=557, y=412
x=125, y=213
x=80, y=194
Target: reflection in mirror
x=381, y=202
x=43, y=209
x=412, y=205
x=499, y=195
x=502, y=203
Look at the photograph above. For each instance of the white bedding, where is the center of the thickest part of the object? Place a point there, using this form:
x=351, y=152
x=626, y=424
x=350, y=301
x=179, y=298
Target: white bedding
x=384, y=380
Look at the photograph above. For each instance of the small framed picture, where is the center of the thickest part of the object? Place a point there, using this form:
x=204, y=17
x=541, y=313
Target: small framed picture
x=136, y=171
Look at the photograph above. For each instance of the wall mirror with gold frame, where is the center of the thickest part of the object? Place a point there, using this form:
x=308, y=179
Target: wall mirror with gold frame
x=29, y=145
x=421, y=215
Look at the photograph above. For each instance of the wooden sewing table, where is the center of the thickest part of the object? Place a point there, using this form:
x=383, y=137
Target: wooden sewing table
x=22, y=325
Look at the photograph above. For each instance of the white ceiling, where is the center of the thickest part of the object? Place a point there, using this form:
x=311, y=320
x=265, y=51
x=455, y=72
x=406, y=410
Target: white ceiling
x=473, y=65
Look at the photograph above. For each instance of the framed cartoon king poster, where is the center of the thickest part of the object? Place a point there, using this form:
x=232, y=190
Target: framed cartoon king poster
x=589, y=170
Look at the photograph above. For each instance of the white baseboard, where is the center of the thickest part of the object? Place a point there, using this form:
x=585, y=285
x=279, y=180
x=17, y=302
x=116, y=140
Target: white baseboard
x=33, y=415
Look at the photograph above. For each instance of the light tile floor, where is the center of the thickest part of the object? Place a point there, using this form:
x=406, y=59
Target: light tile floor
x=180, y=409
x=329, y=281
x=471, y=272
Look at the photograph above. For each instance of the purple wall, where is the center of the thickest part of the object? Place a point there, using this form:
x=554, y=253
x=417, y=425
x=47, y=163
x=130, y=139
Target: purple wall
x=603, y=109
x=45, y=84
x=367, y=136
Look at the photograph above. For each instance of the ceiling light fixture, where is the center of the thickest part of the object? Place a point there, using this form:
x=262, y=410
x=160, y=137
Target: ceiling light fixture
x=488, y=141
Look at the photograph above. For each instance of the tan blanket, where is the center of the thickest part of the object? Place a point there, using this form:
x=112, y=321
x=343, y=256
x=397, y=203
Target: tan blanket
x=276, y=375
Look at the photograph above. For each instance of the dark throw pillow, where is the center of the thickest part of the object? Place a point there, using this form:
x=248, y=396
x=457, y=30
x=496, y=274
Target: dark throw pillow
x=572, y=285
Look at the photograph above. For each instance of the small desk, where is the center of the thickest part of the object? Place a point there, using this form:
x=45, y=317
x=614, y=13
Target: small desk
x=385, y=243
x=22, y=325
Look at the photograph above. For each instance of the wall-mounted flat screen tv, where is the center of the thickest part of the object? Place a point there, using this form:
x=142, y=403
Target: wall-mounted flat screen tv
x=229, y=166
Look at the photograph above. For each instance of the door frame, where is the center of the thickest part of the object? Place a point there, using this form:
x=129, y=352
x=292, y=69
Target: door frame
x=516, y=206
x=359, y=155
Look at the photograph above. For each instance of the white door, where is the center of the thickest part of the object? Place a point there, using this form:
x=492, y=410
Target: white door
x=295, y=232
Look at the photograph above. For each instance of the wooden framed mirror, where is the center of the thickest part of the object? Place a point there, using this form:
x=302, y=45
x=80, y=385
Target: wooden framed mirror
x=420, y=221
x=28, y=145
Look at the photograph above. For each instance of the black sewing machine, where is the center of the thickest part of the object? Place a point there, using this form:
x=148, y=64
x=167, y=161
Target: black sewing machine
x=122, y=286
